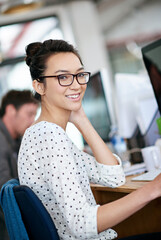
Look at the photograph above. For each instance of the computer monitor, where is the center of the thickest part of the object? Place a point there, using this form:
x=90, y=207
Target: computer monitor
x=96, y=106
x=152, y=134
x=152, y=59
x=130, y=89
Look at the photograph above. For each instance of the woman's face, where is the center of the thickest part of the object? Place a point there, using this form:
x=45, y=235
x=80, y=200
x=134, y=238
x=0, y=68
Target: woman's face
x=57, y=96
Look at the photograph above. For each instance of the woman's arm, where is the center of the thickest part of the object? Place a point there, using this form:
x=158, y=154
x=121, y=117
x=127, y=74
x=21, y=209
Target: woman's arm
x=99, y=148
x=110, y=214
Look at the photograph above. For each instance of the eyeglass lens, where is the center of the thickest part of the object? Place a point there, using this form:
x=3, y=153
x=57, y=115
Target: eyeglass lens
x=67, y=79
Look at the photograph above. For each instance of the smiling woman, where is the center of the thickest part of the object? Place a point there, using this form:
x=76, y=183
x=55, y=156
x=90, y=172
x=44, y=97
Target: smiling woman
x=57, y=171
x=55, y=163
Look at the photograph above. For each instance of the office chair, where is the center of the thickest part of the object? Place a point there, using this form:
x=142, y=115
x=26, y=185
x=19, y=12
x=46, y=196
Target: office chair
x=34, y=216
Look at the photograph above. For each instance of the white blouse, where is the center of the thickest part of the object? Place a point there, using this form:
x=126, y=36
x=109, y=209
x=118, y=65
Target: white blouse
x=60, y=174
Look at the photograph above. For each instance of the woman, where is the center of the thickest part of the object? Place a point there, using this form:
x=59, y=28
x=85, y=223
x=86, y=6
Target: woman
x=52, y=165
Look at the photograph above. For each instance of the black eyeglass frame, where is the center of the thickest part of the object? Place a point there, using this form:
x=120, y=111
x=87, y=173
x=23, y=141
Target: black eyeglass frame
x=73, y=75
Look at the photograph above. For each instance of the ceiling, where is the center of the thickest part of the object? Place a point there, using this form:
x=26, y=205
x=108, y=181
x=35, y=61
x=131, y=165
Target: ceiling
x=4, y=3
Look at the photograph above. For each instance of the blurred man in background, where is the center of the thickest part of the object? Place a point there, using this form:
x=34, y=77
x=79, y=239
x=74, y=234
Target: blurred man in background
x=17, y=112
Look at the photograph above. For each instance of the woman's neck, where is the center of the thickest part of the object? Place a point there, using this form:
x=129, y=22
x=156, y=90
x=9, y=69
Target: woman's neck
x=57, y=116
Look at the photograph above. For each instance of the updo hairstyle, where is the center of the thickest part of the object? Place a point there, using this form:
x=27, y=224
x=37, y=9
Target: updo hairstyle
x=37, y=54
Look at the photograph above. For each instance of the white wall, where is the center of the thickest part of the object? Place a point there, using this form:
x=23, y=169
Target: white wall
x=129, y=19
x=90, y=42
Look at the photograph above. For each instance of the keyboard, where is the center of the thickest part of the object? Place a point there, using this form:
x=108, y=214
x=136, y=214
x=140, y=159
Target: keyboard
x=149, y=176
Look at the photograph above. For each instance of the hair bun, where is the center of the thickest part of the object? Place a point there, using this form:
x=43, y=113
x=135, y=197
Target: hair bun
x=31, y=50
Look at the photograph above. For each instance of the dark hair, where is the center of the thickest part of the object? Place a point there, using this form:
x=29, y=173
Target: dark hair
x=17, y=98
x=37, y=54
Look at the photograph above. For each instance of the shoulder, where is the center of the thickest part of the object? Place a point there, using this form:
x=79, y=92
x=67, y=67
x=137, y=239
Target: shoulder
x=5, y=140
x=4, y=134
x=44, y=127
x=44, y=131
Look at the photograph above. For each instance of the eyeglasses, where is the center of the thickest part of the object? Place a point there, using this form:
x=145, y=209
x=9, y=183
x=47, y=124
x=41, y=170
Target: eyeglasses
x=67, y=79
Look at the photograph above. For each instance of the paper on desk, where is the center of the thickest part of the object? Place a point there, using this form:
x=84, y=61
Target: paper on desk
x=135, y=169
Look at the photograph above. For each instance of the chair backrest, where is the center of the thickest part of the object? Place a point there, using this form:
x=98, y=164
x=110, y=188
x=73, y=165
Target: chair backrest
x=37, y=220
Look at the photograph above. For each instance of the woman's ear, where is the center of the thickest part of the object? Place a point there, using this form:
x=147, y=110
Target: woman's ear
x=39, y=87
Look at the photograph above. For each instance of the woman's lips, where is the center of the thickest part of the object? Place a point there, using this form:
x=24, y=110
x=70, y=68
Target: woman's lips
x=74, y=96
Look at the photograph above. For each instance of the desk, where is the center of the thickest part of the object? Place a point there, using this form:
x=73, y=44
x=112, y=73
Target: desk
x=146, y=220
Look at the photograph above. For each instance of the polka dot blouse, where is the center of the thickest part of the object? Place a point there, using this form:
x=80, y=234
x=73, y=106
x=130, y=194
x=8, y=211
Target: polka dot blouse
x=60, y=174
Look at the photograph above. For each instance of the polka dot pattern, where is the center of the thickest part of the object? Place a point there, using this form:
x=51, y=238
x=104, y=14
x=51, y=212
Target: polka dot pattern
x=60, y=174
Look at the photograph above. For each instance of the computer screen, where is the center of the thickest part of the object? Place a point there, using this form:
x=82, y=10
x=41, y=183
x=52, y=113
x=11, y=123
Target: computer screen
x=130, y=91
x=96, y=107
x=152, y=133
x=137, y=109
x=152, y=59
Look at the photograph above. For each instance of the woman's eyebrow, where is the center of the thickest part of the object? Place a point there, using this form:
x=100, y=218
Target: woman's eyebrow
x=67, y=71
x=82, y=68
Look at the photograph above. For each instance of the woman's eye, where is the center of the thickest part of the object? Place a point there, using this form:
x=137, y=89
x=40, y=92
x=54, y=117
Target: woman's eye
x=81, y=74
x=63, y=77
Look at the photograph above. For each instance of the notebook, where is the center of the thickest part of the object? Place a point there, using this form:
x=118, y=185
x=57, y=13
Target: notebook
x=149, y=176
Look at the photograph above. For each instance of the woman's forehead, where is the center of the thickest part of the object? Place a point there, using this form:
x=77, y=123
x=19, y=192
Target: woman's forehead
x=63, y=61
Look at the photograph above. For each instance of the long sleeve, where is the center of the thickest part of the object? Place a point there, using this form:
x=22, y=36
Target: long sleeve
x=107, y=175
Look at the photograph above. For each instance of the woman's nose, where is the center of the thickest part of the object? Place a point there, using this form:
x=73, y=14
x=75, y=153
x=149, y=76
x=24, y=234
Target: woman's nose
x=75, y=83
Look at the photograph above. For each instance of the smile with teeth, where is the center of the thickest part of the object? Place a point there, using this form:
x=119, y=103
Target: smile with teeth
x=73, y=96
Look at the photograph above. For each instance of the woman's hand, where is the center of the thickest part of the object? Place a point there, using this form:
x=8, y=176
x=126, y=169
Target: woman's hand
x=99, y=148
x=77, y=116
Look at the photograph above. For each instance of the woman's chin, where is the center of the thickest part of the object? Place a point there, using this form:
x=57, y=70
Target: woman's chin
x=75, y=107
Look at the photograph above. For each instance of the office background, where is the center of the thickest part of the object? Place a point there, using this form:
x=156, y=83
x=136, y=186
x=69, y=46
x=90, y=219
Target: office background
x=109, y=35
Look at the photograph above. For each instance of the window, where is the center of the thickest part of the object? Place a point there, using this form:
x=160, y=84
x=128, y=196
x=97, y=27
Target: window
x=14, y=73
